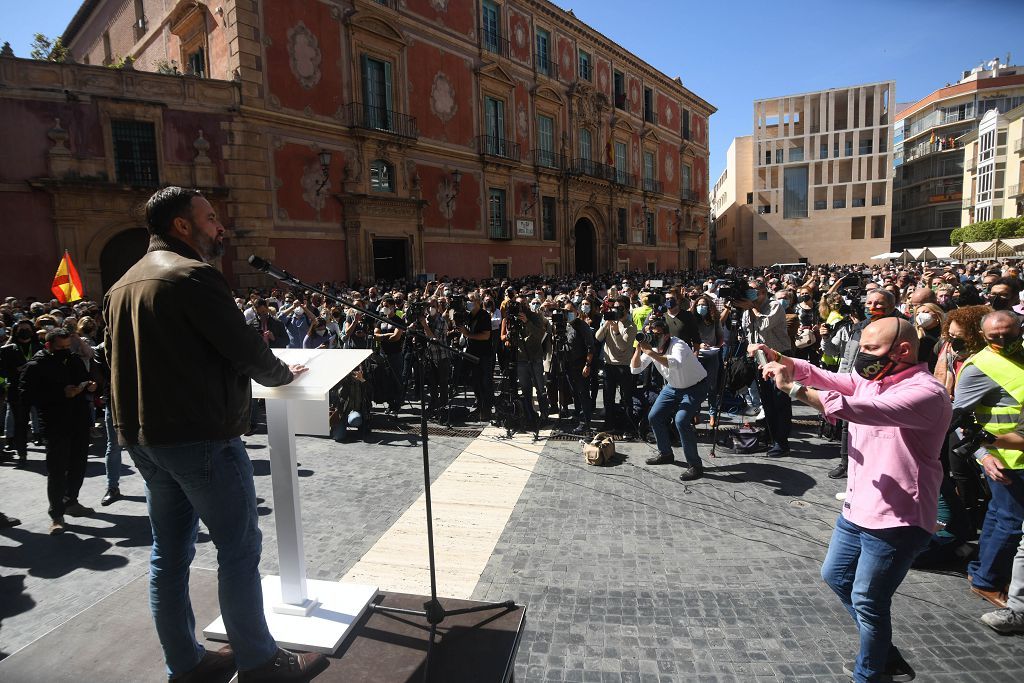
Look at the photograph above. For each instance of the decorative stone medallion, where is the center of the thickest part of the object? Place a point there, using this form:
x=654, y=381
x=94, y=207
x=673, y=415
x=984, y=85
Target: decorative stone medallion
x=602, y=79
x=520, y=35
x=522, y=121
x=442, y=98
x=668, y=115
x=304, y=55
x=439, y=5
x=670, y=169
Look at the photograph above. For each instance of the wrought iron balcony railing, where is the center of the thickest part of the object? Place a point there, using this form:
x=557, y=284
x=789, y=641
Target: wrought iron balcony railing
x=546, y=158
x=652, y=185
x=492, y=41
x=499, y=229
x=369, y=117
x=492, y=146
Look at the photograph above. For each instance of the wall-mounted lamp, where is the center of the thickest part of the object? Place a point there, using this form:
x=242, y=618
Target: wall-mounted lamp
x=535, y=195
x=453, y=191
x=325, y=169
x=642, y=221
x=679, y=220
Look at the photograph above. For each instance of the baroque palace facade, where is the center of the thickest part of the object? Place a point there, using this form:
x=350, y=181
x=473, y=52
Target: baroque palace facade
x=350, y=140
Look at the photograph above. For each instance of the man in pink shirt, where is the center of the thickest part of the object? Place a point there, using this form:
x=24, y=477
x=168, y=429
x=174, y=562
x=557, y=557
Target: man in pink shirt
x=898, y=415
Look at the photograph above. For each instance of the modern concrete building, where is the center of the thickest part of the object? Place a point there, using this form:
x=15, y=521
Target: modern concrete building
x=994, y=168
x=816, y=180
x=360, y=139
x=928, y=184
x=731, y=216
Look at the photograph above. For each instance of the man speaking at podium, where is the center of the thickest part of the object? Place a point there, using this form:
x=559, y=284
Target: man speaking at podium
x=181, y=359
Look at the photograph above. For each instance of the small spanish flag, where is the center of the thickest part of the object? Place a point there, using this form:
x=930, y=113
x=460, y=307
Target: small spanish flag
x=67, y=286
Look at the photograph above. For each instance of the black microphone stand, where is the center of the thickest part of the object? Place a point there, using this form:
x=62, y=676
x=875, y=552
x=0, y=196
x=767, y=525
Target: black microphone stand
x=433, y=611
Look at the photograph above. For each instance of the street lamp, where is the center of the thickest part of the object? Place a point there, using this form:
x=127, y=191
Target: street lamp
x=453, y=192
x=536, y=195
x=325, y=169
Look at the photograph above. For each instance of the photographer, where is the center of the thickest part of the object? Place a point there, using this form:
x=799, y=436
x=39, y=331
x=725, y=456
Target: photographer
x=680, y=398
x=578, y=347
x=524, y=330
x=389, y=336
x=991, y=385
x=476, y=328
x=617, y=333
x=764, y=320
x=355, y=333
x=296, y=319
x=892, y=405
x=439, y=367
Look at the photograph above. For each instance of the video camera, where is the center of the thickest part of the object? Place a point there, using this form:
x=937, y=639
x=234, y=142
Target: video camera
x=416, y=310
x=733, y=289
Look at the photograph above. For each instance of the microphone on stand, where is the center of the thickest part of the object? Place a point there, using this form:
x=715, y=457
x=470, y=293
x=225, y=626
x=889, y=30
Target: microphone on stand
x=269, y=268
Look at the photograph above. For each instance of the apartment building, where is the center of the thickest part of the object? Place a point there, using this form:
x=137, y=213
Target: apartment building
x=929, y=160
x=384, y=139
x=818, y=177
x=993, y=180
x=732, y=218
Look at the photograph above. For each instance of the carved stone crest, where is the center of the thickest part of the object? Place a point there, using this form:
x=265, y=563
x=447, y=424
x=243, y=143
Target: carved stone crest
x=522, y=121
x=442, y=98
x=439, y=5
x=304, y=55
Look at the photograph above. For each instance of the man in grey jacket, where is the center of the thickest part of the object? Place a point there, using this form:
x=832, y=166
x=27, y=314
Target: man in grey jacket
x=617, y=331
x=764, y=321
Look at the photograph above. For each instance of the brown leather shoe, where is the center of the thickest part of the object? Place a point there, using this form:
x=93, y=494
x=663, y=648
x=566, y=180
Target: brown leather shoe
x=286, y=666
x=997, y=598
x=214, y=666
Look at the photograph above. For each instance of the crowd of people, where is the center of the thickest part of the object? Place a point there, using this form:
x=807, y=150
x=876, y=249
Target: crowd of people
x=663, y=351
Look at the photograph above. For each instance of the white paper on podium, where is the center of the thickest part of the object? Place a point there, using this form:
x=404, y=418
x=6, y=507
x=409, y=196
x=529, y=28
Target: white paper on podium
x=327, y=367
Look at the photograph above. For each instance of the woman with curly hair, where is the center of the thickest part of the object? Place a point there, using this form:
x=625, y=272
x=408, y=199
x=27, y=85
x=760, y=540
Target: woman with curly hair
x=961, y=338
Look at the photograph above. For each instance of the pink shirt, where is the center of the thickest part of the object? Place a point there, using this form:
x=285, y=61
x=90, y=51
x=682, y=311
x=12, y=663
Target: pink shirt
x=897, y=427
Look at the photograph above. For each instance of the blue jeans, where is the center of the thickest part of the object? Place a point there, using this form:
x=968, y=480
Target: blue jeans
x=211, y=481
x=1000, y=533
x=680, y=405
x=865, y=567
x=113, y=452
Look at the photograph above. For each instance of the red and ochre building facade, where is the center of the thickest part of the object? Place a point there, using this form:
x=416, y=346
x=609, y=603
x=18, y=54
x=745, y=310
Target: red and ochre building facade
x=465, y=137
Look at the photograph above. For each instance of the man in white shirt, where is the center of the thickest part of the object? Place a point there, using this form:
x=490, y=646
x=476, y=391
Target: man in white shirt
x=685, y=389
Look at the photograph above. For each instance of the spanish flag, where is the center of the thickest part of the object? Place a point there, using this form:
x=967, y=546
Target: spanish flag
x=67, y=286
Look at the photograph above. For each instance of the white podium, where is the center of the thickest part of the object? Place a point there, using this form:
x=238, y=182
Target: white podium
x=303, y=614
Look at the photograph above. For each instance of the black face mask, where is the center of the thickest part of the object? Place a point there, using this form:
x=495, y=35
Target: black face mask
x=805, y=297
x=872, y=367
x=61, y=354
x=998, y=302
x=24, y=337
x=958, y=345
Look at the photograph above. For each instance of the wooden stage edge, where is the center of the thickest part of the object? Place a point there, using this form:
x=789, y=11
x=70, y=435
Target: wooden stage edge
x=114, y=641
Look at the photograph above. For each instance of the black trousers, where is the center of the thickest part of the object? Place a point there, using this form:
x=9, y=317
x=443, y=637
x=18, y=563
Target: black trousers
x=67, y=451
x=619, y=378
x=481, y=379
x=778, y=411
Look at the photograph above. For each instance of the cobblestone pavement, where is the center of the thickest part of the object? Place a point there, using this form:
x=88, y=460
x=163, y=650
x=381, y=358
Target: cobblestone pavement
x=628, y=574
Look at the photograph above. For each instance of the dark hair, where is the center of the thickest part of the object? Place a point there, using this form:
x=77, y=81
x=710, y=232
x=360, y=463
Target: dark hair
x=1011, y=282
x=57, y=333
x=167, y=204
x=259, y=303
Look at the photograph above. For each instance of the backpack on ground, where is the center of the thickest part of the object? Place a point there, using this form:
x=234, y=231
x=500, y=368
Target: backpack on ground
x=747, y=440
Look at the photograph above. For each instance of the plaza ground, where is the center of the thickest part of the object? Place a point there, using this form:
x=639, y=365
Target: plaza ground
x=628, y=574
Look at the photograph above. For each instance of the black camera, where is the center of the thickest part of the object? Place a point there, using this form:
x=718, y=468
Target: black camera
x=974, y=436
x=513, y=309
x=733, y=289
x=645, y=338
x=613, y=314
x=458, y=307
x=416, y=310
x=655, y=299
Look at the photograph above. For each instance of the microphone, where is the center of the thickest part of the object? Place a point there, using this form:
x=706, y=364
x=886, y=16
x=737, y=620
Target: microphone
x=269, y=268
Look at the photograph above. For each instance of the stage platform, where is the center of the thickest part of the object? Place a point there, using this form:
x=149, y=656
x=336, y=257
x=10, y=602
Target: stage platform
x=114, y=642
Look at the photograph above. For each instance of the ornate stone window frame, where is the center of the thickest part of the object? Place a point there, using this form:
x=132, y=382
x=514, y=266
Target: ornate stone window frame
x=131, y=111
x=378, y=39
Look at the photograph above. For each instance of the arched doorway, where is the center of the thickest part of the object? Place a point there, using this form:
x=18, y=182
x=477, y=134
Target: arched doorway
x=121, y=253
x=586, y=246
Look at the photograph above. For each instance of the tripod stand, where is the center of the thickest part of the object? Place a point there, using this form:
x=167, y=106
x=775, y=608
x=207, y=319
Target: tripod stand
x=511, y=411
x=433, y=611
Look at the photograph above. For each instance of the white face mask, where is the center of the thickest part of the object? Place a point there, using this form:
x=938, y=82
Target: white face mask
x=585, y=308
x=925, y=319
x=534, y=307
x=570, y=316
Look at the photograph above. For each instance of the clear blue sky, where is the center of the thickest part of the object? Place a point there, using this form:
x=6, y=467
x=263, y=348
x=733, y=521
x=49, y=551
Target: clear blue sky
x=731, y=52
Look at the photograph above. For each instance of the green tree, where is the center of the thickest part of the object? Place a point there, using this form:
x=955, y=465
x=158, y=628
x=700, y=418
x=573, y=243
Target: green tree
x=45, y=49
x=1002, y=228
